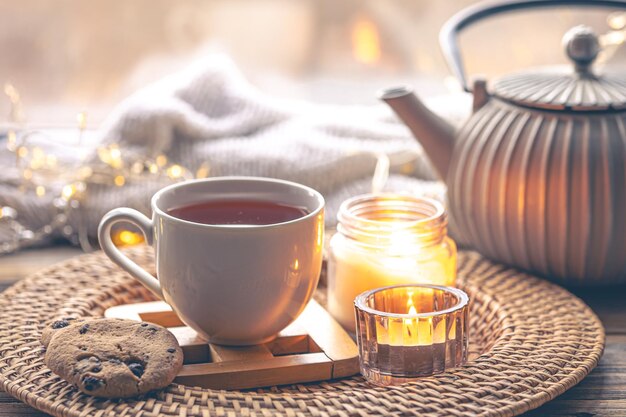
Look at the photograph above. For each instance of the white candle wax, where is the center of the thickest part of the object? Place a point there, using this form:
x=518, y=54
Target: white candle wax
x=355, y=270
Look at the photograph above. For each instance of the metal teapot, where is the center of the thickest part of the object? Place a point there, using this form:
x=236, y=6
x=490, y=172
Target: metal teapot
x=537, y=176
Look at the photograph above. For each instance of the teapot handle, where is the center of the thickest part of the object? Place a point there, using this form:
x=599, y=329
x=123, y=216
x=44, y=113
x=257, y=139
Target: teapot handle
x=466, y=17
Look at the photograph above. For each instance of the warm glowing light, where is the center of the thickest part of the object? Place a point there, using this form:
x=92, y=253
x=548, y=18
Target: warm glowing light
x=116, y=157
x=68, y=191
x=81, y=118
x=51, y=161
x=137, y=168
x=410, y=305
x=11, y=141
x=127, y=238
x=203, y=171
x=11, y=92
x=27, y=174
x=119, y=180
x=613, y=38
x=40, y=190
x=111, y=156
x=22, y=152
x=153, y=168
x=407, y=169
x=366, y=41
x=617, y=20
x=175, y=171
x=395, y=252
x=103, y=154
x=161, y=160
x=38, y=158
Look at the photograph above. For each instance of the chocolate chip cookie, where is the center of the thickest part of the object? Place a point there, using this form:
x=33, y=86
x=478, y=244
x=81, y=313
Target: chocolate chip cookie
x=55, y=325
x=114, y=358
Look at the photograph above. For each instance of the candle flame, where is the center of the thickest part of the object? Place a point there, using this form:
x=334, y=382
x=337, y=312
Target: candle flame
x=410, y=325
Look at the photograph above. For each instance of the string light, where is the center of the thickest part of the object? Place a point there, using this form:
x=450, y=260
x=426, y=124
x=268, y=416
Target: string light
x=119, y=180
x=41, y=172
x=161, y=160
x=11, y=141
x=175, y=171
x=68, y=191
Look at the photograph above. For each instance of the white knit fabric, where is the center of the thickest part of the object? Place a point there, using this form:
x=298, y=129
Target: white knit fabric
x=210, y=114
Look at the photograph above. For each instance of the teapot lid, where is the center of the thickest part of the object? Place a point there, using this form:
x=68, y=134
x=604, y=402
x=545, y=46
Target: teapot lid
x=578, y=90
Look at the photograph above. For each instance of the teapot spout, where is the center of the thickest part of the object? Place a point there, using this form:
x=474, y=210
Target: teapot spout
x=435, y=134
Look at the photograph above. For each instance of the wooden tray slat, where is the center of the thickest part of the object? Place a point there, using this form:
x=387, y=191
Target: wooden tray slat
x=313, y=348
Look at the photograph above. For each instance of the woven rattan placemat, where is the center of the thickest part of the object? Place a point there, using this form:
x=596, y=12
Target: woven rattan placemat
x=531, y=341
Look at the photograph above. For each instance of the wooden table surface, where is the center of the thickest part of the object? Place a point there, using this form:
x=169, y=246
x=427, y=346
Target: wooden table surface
x=602, y=393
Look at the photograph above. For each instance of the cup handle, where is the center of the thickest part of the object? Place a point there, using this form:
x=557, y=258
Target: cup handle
x=104, y=237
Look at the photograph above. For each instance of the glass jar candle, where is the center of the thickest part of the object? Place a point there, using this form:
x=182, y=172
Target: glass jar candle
x=383, y=240
x=410, y=331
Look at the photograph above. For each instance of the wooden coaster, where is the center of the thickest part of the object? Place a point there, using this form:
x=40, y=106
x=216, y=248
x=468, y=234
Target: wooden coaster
x=313, y=348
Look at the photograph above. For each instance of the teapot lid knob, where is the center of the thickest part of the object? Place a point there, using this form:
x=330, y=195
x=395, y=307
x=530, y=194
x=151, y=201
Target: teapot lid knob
x=581, y=46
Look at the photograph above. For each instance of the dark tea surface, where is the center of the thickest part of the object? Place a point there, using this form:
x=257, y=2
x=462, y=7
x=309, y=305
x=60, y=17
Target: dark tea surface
x=244, y=212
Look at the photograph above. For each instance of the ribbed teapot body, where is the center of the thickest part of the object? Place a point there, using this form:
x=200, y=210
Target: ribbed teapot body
x=543, y=190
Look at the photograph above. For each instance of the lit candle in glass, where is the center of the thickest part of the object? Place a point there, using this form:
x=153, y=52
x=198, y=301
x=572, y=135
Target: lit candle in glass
x=387, y=239
x=410, y=331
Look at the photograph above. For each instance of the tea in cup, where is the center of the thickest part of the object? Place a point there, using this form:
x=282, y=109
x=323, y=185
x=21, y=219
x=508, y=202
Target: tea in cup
x=237, y=258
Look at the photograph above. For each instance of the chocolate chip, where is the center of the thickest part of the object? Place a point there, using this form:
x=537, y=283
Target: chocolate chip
x=136, y=369
x=83, y=348
x=91, y=383
x=115, y=361
x=60, y=324
x=171, y=350
x=83, y=329
x=144, y=324
x=88, y=364
x=96, y=369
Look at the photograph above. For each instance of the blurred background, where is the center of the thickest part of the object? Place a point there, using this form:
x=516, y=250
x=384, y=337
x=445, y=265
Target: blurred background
x=65, y=65
x=69, y=56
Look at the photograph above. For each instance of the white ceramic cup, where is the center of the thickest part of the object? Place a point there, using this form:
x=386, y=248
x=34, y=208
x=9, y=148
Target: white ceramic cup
x=233, y=284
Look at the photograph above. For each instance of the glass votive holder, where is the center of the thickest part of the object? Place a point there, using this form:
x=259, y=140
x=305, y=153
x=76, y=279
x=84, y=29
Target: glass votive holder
x=410, y=331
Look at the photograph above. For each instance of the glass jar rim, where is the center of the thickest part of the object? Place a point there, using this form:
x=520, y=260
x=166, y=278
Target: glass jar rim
x=461, y=296
x=345, y=214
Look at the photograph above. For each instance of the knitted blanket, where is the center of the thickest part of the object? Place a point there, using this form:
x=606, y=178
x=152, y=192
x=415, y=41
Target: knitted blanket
x=210, y=117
